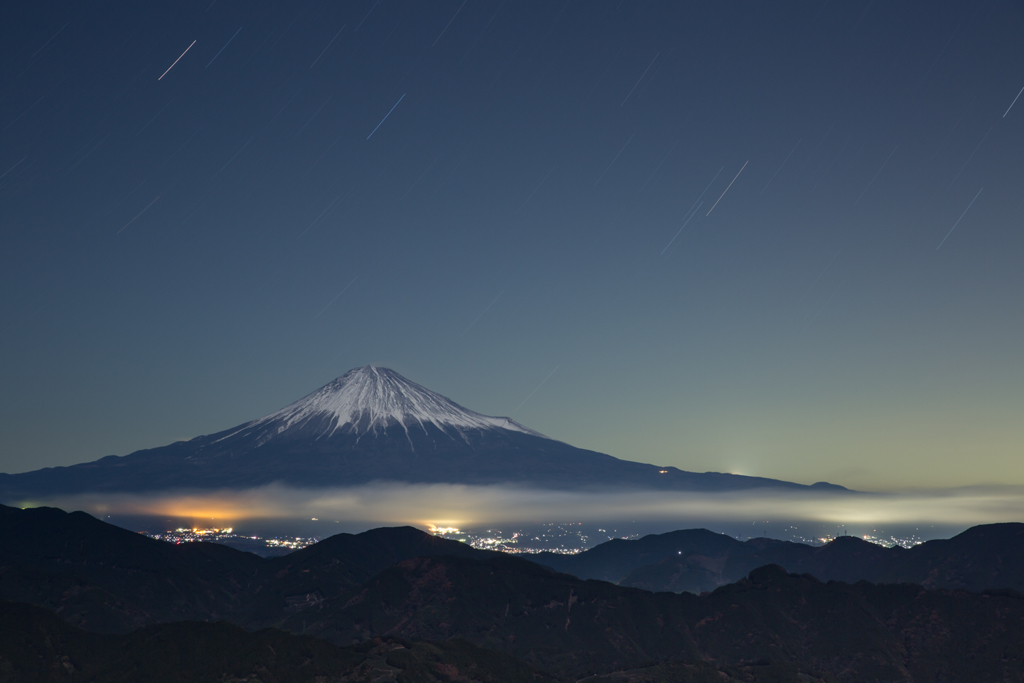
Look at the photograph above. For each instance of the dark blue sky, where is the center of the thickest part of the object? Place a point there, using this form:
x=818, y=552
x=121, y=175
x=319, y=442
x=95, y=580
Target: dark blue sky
x=528, y=231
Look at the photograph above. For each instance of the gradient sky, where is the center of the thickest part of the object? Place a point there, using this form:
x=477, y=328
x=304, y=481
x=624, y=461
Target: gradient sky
x=528, y=230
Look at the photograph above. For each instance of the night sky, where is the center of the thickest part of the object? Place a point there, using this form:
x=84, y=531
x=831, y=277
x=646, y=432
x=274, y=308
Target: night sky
x=781, y=239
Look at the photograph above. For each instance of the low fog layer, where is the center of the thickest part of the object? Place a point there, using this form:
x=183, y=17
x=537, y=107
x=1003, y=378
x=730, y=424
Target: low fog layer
x=392, y=504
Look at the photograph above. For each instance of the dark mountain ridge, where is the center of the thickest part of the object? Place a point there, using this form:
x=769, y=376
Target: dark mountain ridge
x=110, y=579
x=36, y=646
x=698, y=560
x=402, y=583
x=105, y=578
x=573, y=628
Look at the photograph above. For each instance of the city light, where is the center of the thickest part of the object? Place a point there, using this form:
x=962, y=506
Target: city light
x=226, y=536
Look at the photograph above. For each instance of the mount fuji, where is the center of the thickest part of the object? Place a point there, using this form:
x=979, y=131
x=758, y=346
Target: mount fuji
x=369, y=425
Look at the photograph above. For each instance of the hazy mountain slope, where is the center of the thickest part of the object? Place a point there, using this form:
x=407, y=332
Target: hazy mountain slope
x=983, y=557
x=614, y=559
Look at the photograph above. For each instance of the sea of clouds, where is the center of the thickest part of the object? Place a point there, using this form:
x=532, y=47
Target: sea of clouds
x=445, y=504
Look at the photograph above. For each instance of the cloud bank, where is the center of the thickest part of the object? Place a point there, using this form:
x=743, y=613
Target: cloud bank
x=476, y=505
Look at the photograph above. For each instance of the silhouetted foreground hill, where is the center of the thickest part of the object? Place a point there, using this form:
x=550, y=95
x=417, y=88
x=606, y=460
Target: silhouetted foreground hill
x=572, y=627
x=107, y=579
x=38, y=647
x=698, y=560
x=401, y=583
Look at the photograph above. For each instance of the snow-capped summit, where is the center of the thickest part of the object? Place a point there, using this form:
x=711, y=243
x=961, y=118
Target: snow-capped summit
x=369, y=399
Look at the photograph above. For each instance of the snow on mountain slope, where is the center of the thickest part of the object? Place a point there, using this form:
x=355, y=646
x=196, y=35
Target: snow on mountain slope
x=368, y=399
